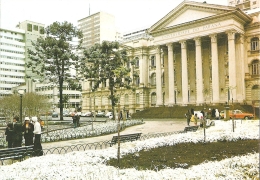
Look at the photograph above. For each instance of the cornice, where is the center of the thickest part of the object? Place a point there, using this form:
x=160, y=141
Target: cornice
x=189, y=5
x=200, y=22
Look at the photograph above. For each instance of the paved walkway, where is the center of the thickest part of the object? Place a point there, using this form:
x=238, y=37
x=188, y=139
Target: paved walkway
x=149, y=127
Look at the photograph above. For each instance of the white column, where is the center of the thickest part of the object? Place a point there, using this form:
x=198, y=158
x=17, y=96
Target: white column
x=199, y=79
x=232, y=65
x=145, y=68
x=241, y=66
x=158, y=77
x=170, y=74
x=215, y=72
x=184, y=72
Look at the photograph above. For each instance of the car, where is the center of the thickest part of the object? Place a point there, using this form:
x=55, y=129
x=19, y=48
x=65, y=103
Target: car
x=100, y=114
x=66, y=114
x=87, y=114
x=237, y=114
x=109, y=114
x=55, y=115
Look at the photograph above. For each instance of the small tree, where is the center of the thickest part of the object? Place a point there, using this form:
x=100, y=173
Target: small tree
x=107, y=61
x=55, y=54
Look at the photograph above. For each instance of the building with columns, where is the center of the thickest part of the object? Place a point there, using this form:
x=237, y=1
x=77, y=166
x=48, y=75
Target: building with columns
x=198, y=53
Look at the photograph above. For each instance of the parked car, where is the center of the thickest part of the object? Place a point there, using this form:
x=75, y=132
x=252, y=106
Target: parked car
x=237, y=114
x=100, y=114
x=55, y=115
x=66, y=114
x=109, y=114
x=87, y=114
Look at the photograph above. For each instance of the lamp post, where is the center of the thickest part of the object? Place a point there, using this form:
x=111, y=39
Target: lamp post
x=21, y=91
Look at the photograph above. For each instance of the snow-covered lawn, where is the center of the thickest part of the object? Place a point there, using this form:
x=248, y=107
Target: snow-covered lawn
x=91, y=164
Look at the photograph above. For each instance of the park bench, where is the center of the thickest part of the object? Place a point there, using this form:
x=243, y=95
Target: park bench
x=125, y=138
x=18, y=153
x=191, y=128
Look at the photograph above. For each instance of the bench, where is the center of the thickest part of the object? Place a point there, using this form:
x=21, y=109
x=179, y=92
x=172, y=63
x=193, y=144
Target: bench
x=125, y=138
x=18, y=153
x=191, y=128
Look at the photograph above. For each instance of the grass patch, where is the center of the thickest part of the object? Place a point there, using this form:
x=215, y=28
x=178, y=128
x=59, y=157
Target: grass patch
x=185, y=155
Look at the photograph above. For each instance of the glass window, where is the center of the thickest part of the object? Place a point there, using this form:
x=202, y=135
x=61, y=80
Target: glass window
x=153, y=63
x=254, y=44
x=137, y=62
x=153, y=79
x=137, y=98
x=35, y=27
x=153, y=99
x=255, y=67
x=41, y=30
x=29, y=27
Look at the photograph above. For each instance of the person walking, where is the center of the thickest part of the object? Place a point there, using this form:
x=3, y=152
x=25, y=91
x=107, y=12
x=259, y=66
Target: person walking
x=37, y=147
x=28, y=129
x=195, y=119
x=17, y=132
x=217, y=114
x=9, y=134
x=188, y=117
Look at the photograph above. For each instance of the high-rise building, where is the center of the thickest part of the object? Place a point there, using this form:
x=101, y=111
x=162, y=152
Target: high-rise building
x=97, y=28
x=12, y=59
x=245, y=4
x=33, y=31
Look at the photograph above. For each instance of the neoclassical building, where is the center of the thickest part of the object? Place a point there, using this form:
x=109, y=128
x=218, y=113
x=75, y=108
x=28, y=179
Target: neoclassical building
x=197, y=53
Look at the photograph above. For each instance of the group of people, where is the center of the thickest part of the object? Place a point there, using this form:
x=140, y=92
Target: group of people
x=75, y=119
x=30, y=130
x=202, y=116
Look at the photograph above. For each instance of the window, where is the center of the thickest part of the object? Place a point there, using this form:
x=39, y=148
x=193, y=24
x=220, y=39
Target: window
x=153, y=63
x=137, y=62
x=153, y=99
x=137, y=98
x=255, y=67
x=41, y=30
x=153, y=79
x=35, y=27
x=254, y=44
x=29, y=27
x=137, y=81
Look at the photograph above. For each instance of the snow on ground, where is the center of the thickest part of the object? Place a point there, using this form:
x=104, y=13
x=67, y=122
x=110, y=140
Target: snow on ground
x=90, y=164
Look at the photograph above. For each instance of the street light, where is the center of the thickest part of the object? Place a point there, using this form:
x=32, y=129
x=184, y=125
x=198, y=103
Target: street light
x=21, y=92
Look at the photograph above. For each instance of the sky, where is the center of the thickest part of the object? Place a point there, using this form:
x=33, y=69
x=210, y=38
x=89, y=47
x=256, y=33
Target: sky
x=130, y=15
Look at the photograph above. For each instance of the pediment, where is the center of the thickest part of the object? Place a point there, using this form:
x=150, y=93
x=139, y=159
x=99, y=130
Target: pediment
x=189, y=11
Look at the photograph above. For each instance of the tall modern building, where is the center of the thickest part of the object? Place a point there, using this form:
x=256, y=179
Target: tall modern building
x=33, y=31
x=245, y=4
x=97, y=28
x=12, y=59
x=196, y=54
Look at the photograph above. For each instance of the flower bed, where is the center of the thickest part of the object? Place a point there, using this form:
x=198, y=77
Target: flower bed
x=91, y=164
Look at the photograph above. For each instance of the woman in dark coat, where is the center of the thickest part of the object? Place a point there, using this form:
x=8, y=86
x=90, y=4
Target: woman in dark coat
x=28, y=129
x=9, y=134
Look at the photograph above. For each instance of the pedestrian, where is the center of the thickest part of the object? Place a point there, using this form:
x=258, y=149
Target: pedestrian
x=28, y=129
x=9, y=134
x=74, y=119
x=188, y=117
x=213, y=113
x=217, y=114
x=195, y=119
x=17, y=132
x=37, y=147
x=77, y=119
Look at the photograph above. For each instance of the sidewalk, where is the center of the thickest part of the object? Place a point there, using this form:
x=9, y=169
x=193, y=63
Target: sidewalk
x=149, y=127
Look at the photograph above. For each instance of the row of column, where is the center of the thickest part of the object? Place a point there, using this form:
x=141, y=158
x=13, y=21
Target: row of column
x=199, y=72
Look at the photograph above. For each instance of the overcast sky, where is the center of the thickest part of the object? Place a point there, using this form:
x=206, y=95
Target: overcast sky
x=129, y=14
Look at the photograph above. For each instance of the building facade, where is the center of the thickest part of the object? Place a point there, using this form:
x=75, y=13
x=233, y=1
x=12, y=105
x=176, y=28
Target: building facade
x=12, y=59
x=245, y=4
x=97, y=28
x=198, y=53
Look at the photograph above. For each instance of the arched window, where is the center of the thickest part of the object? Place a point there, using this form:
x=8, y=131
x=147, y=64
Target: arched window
x=153, y=79
x=153, y=63
x=137, y=62
x=254, y=44
x=126, y=99
x=137, y=98
x=255, y=67
x=153, y=99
